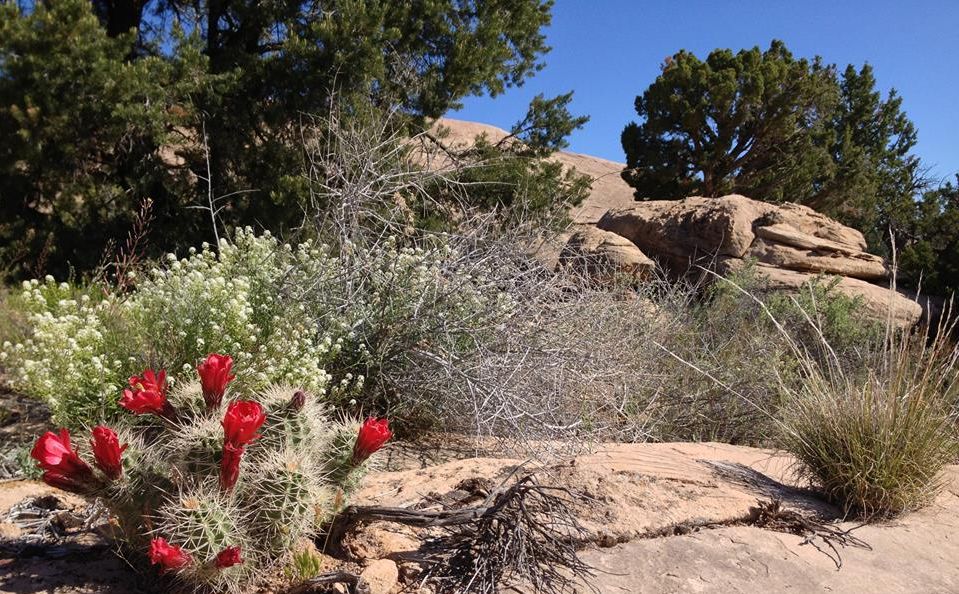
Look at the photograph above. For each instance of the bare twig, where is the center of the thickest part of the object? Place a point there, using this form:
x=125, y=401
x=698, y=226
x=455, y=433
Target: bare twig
x=209, y=184
x=355, y=583
x=524, y=533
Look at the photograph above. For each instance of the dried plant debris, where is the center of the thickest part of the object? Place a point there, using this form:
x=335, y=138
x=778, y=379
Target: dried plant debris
x=525, y=534
x=47, y=525
x=823, y=534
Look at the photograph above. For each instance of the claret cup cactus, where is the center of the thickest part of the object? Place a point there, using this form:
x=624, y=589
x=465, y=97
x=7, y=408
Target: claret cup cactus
x=214, y=487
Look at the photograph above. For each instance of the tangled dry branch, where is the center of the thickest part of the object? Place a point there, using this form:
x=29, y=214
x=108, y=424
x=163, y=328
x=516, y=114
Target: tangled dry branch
x=771, y=515
x=523, y=534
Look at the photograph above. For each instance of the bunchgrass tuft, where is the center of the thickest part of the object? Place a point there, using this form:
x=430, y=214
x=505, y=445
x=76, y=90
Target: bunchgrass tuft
x=875, y=442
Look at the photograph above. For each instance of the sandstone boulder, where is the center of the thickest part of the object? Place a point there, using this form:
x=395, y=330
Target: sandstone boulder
x=791, y=244
x=684, y=233
x=694, y=231
x=381, y=576
x=600, y=253
x=813, y=223
x=830, y=261
x=880, y=303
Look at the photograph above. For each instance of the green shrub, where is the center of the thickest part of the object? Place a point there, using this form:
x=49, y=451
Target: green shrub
x=519, y=185
x=876, y=443
x=722, y=369
x=300, y=316
x=815, y=312
x=818, y=313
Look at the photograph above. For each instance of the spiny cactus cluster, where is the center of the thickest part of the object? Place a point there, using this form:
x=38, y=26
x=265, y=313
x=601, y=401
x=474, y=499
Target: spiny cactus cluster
x=213, y=487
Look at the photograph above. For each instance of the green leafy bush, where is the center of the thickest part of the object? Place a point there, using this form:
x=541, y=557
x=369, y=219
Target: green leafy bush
x=721, y=367
x=302, y=316
x=816, y=312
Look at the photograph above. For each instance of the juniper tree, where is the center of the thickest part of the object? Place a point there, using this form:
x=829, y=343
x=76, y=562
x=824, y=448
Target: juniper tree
x=747, y=122
x=929, y=254
x=105, y=104
x=778, y=128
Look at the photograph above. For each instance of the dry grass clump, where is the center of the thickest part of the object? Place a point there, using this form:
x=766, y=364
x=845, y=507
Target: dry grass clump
x=876, y=442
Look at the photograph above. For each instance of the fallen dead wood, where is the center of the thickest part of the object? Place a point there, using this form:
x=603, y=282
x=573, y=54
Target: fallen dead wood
x=354, y=583
x=525, y=533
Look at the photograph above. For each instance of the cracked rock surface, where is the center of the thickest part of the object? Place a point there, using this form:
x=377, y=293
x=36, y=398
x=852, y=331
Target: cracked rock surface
x=674, y=518
x=659, y=518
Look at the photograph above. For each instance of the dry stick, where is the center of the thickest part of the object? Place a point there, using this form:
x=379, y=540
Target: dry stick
x=355, y=583
x=209, y=185
x=525, y=532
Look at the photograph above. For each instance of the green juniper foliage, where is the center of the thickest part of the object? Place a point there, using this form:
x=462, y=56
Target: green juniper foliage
x=876, y=177
x=746, y=122
x=104, y=105
x=779, y=128
x=81, y=128
x=513, y=176
x=929, y=254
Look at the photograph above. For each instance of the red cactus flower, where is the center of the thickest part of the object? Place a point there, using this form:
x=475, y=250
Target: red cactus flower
x=107, y=451
x=228, y=557
x=373, y=434
x=62, y=481
x=147, y=395
x=168, y=557
x=241, y=422
x=214, y=374
x=63, y=468
x=230, y=465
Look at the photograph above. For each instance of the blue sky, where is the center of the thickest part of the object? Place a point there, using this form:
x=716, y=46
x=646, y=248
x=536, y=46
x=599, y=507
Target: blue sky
x=609, y=51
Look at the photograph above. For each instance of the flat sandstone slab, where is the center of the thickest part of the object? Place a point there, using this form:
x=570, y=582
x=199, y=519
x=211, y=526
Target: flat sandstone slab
x=639, y=490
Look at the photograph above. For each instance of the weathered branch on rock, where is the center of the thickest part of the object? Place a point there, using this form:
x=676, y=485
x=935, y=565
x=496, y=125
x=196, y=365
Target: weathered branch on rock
x=355, y=583
x=526, y=533
x=412, y=517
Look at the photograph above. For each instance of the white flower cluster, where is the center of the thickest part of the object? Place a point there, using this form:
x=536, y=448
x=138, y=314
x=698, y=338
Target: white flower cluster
x=81, y=350
x=237, y=302
x=66, y=360
x=285, y=314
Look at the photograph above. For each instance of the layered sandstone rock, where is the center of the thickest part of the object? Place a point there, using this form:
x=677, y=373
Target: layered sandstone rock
x=601, y=253
x=880, y=303
x=791, y=244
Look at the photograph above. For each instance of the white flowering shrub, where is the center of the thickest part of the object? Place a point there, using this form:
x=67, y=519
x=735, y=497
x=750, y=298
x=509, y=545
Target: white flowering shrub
x=241, y=300
x=347, y=326
x=81, y=346
x=77, y=351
